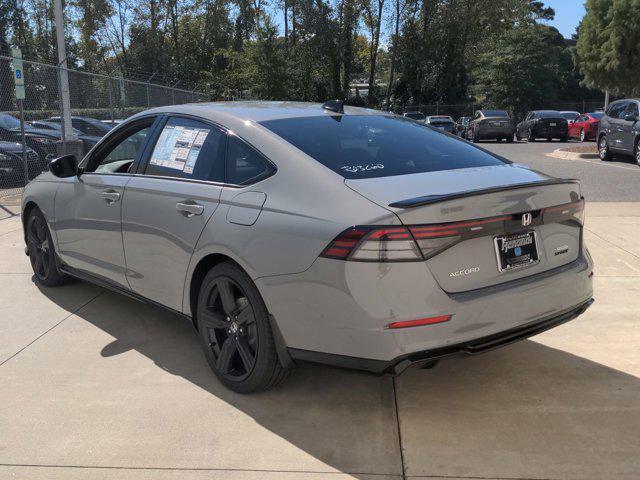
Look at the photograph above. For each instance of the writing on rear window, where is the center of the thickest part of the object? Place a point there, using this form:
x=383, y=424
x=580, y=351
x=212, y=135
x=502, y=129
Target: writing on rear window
x=362, y=168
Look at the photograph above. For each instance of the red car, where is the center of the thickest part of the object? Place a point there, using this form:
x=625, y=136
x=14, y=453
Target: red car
x=585, y=127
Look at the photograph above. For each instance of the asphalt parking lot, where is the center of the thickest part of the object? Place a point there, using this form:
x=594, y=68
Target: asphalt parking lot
x=96, y=385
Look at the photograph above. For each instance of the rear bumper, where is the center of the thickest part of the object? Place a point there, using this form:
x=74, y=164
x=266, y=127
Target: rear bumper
x=495, y=132
x=551, y=132
x=471, y=347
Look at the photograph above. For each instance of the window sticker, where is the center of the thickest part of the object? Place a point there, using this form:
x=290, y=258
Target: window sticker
x=178, y=148
x=362, y=168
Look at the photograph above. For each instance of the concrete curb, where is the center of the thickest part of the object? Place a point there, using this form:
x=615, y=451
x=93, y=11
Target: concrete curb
x=562, y=153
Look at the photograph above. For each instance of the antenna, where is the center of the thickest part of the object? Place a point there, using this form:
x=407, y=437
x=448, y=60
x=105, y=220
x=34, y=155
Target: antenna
x=336, y=106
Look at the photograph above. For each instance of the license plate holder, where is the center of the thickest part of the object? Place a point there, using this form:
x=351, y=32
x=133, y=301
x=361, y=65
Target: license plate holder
x=553, y=124
x=516, y=251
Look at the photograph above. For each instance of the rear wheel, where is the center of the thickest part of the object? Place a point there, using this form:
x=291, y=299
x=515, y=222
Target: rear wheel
x=583, y=136
x=549, y=139
x=41, y=252
x=564, y=139
x=235, y=332
x=510, y=139
x=603, y=149
x=637, y=153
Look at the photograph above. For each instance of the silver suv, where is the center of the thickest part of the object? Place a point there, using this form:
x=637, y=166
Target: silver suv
x=619, y=130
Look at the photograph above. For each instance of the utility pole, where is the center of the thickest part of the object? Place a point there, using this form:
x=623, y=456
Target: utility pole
x=606, y=100
x=70, y=143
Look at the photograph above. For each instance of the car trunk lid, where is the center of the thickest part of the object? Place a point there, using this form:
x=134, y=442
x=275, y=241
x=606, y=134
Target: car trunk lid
x=480, y=210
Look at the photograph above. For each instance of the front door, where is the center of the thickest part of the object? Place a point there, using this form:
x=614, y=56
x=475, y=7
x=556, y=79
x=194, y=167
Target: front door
x=167, y=206
x=88, y=208
x=627, y=138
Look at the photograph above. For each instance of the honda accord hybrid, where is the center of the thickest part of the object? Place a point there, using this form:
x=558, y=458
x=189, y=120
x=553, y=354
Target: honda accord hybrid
x=293, y=232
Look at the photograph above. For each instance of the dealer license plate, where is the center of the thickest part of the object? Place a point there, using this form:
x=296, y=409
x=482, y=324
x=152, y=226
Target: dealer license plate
x=516, y=251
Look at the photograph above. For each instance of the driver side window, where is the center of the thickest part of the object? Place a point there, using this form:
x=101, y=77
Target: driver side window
x=120, y=155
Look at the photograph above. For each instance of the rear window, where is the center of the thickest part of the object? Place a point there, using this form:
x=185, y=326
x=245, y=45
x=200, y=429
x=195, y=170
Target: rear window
x=415, y=115
x=368, y=146
x=495, y=113
x=597, y=116
x=569, y=115
x=548, y=114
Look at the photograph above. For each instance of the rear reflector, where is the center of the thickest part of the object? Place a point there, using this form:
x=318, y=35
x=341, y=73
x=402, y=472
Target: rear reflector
x=419, y=322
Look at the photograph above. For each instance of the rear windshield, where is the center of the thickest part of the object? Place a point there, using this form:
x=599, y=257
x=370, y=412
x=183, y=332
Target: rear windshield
x=597, y=115
x=548, y=114
x=368, y=146
x=569, y=115
x=495, y=113
x=415, y=115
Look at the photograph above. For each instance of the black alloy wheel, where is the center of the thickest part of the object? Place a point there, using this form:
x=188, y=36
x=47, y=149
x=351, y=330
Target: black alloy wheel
x=234, y=328
x=41, y=251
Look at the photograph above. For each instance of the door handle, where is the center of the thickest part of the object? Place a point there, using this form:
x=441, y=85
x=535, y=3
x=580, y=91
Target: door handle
x=189, y=209
x=110, y=196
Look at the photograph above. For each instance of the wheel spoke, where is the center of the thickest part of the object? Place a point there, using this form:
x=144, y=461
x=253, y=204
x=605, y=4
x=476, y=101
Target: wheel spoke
x=246, y=355
x=226, y=355
x=244, y=316
x=213, y=319
x=37, y=266
x=45, y=263
x=226, y=296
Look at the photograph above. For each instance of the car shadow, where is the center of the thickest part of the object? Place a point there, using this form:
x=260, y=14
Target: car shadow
x=348, y=420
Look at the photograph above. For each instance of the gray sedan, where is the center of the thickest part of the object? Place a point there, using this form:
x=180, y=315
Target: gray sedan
x=293, y=232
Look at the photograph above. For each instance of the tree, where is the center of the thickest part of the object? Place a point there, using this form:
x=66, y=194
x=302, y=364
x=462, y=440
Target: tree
x=608, y=50
x=524, y=68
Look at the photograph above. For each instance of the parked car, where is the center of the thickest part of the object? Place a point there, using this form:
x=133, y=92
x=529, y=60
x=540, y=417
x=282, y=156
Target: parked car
x=87, y=125
x=295, y=232
x=417, y=116
x=585, y=127
x=12, y=164
x=619, y=130
x=547, y=124
x=569, y=116
x=461, y=125
x=490, y=124
x=441, y=122
x=42, y=141
x=88, y=141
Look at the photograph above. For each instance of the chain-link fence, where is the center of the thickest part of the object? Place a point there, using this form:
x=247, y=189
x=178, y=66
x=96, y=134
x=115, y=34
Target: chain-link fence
x=469, y=109
x=98, y=102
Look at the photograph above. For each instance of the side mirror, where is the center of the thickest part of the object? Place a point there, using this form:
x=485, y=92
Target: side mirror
x=631, y=117
x=65, y=166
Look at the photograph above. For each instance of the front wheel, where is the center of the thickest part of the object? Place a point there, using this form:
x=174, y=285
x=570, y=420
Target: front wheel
x=235, y=332
x=637, y=153
x=583, y=136
x=41, y=252
x=603, y=149
x=530, y=136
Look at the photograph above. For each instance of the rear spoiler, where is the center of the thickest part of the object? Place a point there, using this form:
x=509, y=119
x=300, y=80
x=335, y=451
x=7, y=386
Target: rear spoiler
x=431, y=199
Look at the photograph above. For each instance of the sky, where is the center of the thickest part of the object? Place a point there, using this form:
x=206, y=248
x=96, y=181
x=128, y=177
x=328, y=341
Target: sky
x=568, y=15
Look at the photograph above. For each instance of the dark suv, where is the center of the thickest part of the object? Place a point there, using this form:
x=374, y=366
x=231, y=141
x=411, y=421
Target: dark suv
x=547, y=124
x=619, y=130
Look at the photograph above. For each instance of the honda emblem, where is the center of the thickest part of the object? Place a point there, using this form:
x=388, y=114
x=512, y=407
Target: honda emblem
x=527, y=218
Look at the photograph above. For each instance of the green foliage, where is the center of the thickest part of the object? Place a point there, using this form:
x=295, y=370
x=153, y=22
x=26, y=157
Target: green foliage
x=608, y=50
x=524, y=68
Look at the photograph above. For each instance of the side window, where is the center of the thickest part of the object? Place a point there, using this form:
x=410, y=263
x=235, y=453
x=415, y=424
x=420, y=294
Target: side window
x=119, y=155
x=244, y=165
x=190, y=149
x=531, y=116
x=632, y=109
x=616, y=110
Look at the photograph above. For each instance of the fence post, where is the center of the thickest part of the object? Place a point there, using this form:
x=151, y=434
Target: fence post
x=24, y=143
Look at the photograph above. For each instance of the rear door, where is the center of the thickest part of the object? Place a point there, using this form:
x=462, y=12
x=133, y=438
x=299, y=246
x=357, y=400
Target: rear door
x=167, y=205
x=616, y=116
x=88, y=208
x=627, y=138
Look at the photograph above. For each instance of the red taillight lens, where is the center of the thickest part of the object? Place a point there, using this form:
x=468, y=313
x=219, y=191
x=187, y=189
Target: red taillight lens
x=419, y=322
x=371, y=244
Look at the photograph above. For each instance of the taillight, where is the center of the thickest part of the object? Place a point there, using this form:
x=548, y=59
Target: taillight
x=371, y=244
x=421, y=242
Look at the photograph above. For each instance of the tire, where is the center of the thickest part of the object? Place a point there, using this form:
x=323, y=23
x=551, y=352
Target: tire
x=583, y=135
x=518, y=138
x=476, y=138
x=42, y=255
x=549, y=139
x=235, y=331
x=564, y=139
x=603, y=149
x=637, y=152
x=510, y=139
x=530, y=136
